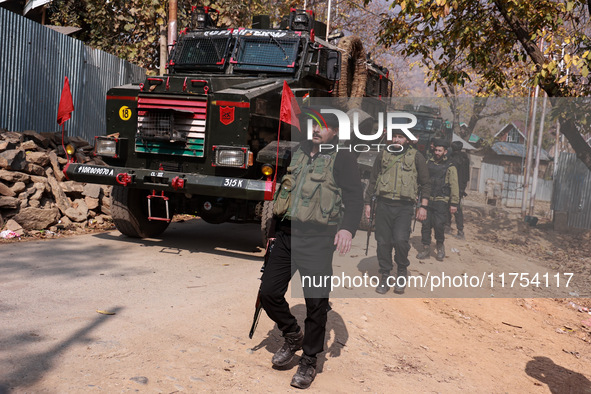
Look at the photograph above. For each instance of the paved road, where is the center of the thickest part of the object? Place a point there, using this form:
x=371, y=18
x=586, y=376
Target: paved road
x=50, y=291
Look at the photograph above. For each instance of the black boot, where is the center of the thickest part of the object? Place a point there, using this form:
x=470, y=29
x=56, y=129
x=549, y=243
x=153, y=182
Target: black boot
x=306, y=373
x=424, y=254
x=293, y=343
x=400, y=282
x=460, y=235
x=440, y=252
x=383, y=285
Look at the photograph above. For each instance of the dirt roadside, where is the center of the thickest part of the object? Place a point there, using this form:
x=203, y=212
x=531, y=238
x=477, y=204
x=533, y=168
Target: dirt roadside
x=184, y=304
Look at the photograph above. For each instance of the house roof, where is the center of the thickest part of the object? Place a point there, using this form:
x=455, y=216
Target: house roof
x=467, y=145
x=32, y=4
x=516, y=150
x=473, y=138
x=67, y=30
x=518, y=125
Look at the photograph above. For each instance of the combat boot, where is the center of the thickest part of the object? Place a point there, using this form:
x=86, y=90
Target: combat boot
x=460, y=235
x=383, y=287
x=400, y=283
x=424, y=254
x=440, y=252
x=306, y=373
x=293, y=343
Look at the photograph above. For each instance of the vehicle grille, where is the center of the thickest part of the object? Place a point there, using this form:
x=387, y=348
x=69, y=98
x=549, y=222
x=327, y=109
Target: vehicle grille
x=172, y=127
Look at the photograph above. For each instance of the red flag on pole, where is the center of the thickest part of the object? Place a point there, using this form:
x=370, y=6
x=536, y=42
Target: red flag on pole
x=64, y=111
x=289, y=114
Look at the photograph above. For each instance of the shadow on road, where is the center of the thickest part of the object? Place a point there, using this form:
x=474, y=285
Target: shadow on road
x=196, y=236
x=559, y=379
x=34, y=366
x=335, y=330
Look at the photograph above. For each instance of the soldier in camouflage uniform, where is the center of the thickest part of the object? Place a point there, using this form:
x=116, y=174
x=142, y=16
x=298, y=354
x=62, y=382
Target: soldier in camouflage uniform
x=310, y=223
x=397, y=179
x=444, y=199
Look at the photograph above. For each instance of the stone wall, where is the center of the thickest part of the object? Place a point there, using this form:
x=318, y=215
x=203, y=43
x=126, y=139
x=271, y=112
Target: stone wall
x=34, y=193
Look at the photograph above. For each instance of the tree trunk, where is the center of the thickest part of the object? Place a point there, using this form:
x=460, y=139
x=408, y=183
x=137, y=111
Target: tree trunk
x=568, y=126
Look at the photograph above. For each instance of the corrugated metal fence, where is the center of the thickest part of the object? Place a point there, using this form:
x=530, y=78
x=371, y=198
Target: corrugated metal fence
x=512, y=190
x=33, y=63
x=572, y=193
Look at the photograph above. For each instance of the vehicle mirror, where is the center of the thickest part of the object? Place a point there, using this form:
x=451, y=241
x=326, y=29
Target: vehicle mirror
x=329, y=66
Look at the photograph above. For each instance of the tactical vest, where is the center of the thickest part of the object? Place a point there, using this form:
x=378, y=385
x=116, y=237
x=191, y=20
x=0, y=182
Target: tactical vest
x=437, y=173
x=308, y=191
x=399, y=179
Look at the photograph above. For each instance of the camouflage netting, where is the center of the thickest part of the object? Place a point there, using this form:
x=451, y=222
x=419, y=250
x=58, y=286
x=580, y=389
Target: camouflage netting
x=353, y=71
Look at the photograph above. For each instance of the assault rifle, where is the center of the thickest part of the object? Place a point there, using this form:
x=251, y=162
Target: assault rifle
x=417, y=204
x=372, y=209
x=257, y=305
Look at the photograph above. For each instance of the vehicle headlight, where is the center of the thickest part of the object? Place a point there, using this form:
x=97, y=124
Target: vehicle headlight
x=106, y=147
x=230, y=157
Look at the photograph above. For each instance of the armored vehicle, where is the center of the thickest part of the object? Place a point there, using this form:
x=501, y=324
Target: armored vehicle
x=203, y=138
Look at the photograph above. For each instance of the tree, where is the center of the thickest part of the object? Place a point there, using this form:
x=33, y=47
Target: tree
x=352, y=18
x=499, y=40
x=130, y=29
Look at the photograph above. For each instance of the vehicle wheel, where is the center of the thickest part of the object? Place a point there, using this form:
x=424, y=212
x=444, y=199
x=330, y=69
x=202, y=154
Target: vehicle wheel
x=266, y=220
x=129, y=210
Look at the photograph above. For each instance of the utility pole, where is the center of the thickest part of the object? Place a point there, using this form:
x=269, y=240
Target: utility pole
x=530, y=146
x=328, y=20
x=530, y=150
x=172, y=23
x=532, y=201
x=163, y=49
x=557, y=141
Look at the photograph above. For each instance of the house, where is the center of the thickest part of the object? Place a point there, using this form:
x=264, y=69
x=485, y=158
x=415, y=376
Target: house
x=36, y=10
x=510, y=156
x=512, y=132
x=465, y=144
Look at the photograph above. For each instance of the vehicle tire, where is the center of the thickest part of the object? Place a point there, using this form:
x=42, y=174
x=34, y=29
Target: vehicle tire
x=266, y=221
x=129, y=210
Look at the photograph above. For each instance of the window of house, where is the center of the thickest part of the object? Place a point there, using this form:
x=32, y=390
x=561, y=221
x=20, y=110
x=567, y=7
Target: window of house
x=513, y=135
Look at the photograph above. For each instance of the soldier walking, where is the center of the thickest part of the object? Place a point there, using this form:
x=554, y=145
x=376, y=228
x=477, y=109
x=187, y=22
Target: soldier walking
x=462, y=163
x=310, y=223
x=397, y=179
x=444, y=199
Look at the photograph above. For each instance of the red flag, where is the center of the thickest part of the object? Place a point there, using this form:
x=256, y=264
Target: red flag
x=64, y=111
x=288, y=113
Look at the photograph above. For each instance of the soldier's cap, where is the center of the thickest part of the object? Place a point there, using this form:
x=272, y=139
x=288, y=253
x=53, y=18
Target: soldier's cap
x=323, y=119
x=400, y=132
x=440, y=142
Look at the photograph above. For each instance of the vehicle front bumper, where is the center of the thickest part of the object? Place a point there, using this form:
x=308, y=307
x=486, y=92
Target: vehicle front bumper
x=168, y=181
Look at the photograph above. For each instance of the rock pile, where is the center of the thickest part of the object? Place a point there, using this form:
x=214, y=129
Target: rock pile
x=34, y=193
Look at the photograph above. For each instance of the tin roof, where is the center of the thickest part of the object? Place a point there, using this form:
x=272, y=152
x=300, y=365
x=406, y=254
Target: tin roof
x=516, y=150
x=467, y=145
